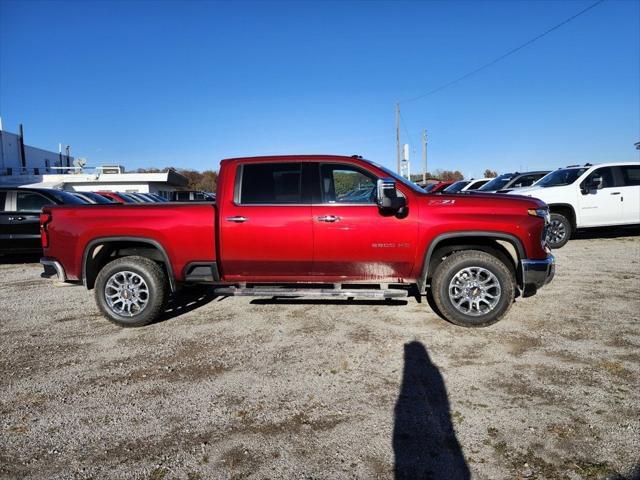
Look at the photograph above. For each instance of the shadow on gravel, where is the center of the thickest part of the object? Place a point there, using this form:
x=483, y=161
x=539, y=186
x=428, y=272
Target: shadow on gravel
x=424, y=442
x=186, y=300
x=19, y=259
x=324, y=301
x=606, y=232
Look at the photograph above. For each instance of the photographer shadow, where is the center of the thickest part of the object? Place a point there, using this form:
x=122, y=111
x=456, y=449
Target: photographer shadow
x=424, y=441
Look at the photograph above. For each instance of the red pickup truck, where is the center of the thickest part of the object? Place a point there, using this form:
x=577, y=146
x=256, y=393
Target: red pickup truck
x=306, y=225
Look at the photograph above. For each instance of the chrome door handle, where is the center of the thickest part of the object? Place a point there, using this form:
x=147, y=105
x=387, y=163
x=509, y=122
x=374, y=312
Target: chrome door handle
x=615, y=193
x=329, y=218
x=237, y=219
x=17, y=219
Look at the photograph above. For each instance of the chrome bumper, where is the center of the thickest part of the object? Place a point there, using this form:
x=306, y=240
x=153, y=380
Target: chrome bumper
x=537, y=273
x=51, y=268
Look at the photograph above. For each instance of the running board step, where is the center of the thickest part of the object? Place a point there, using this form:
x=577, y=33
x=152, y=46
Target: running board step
x=309, y=292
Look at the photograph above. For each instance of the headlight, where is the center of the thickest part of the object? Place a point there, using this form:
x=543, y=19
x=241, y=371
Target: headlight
x=542, y=213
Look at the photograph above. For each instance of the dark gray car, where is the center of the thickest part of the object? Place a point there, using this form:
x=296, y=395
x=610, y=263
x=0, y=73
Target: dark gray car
x=510, y=181
x=20, y=216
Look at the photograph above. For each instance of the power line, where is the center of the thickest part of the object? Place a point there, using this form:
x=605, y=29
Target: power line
x=404, y=125
x=503, y=56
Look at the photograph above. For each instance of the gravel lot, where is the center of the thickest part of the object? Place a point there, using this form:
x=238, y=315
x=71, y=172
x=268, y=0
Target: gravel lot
x=263, y=388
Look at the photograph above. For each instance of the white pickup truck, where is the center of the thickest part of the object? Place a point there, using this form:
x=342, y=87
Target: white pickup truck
x=583, y=196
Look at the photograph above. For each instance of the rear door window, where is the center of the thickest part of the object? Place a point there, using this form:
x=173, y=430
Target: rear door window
x=630, y=175
x=31, y=202
x=271, y=184
x=3, y=199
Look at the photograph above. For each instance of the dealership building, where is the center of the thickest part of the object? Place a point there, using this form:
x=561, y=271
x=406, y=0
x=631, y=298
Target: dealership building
x=23, y=165
x=114, y=179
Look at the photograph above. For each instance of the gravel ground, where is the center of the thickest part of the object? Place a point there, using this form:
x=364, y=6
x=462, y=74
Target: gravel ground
x=263, y=388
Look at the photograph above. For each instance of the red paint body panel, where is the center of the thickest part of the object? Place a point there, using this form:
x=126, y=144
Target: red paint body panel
x=281, y=243
x=186, y=232
x=363, y=244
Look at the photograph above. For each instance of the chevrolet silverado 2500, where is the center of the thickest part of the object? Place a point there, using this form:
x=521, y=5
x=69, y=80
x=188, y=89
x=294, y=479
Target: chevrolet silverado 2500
x=288, y=226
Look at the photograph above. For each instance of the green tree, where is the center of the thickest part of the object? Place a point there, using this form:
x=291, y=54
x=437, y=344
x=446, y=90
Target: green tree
x=446, y=175
x=490, y=173
x=206, y=181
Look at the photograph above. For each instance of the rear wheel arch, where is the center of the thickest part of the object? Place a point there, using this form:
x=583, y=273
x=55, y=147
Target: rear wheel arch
x=100, y=251
x=506, y=247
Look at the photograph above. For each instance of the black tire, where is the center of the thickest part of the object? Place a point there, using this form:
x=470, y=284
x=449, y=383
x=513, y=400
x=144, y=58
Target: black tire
x=558, y=231
x=154, y=279
x=455, y=263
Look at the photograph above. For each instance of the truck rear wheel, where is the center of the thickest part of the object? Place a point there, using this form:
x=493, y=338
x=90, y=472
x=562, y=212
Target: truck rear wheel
x=472, y=288
x=558, y=231
x=131, y=291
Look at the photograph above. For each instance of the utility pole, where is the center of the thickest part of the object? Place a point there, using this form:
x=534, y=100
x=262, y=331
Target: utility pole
x=398, y=148
x=23, y=157
x=424, y=155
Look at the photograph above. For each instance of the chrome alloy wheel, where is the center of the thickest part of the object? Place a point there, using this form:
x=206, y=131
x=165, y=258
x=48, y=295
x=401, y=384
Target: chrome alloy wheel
x=474, y=291
x=127, y=293
x=556, y=232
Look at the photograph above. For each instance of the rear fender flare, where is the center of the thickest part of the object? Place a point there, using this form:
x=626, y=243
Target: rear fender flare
x=104, y=240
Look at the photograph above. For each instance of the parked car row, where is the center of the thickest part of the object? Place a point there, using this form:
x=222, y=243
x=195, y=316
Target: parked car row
x=20, y=216
x=20, y=210
x=587, y=196
x=579, y=196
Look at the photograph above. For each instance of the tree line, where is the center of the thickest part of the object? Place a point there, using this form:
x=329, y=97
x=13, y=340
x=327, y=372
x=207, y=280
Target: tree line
x=206, y=181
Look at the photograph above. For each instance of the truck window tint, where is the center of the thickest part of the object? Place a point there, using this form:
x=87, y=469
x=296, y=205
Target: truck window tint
x=525, y=181
x=630, y=175
x=343, y=184
x=30, y=202
x=607, y=177
x=271, y=183
x=3, y=199
x=477, y=185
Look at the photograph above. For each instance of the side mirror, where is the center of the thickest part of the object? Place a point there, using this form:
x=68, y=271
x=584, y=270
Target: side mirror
x=387, y=197
x=592, y=183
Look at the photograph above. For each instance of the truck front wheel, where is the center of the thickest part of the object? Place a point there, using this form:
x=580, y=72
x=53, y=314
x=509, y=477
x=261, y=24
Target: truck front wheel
x=131, y=291
x=472, y=288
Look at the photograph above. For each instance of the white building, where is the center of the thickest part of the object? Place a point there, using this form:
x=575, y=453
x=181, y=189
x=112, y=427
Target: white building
x=113, y=179
x=24, y=165
x=20, y=163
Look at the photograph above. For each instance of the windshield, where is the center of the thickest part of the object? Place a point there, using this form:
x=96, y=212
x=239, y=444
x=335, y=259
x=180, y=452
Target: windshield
x=497, y=183
x=66, y=198
x=456, y=187
x=566, y=176
x=397, y=177
x=96, y=197
x=126, y=198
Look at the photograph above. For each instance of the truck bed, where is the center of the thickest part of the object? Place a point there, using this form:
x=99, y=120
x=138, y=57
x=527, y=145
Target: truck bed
x=186, y=232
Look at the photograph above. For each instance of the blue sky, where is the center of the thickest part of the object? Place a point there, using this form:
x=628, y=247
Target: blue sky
x=189, y=83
